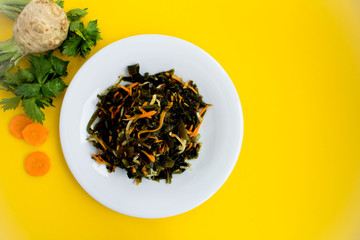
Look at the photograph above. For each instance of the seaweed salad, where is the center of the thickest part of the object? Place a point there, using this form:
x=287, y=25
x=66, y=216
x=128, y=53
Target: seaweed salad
x=149, y=126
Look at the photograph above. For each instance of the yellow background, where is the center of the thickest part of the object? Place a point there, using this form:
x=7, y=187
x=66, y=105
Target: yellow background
x=296, y=67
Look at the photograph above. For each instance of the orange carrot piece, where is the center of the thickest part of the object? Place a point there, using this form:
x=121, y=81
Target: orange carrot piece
x=115, y=95
x=151, y=157
x=37, y=164
x=193, y=89
x=144, y=115
x=126, y=89
x=194, y=133
x=162, y=117
x=35, y=134
x=204, y=109
x=17, y=125
x=133, y=169
x=190, y=145
x=132, y=86
x=145, y=104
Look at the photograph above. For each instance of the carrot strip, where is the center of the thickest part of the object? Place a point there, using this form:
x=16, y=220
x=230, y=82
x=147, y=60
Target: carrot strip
x=190, y=145
x=193, y=89
x=151, y=157
x=194, y=133
x=132, y=103
x=126, y=89
x=132, y=86
x=204, y=109
x=162, y=117
x=101, y=143
x=145, y=104
x=143, y=115
x=117, y=93
x=133, y=169
x=17, y=125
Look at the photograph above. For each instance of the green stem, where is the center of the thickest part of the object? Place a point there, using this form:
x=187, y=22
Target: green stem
x=14, y=2
x=10, y=54
x=12, y=7
x=8, y=13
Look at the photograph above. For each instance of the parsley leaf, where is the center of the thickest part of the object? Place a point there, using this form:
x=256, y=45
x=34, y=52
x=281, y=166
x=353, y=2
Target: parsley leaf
x=10, y=103
x=36, y=86
x=40, y=67
x=28, y=90
x=71, y=46
x=76, y=14
x=60, y=3
x=53, y=88
x=80, y=40
x=59, y=66
x=33, y=110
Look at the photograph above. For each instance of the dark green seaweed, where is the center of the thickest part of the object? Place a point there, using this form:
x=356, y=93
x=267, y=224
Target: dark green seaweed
x=149, y=126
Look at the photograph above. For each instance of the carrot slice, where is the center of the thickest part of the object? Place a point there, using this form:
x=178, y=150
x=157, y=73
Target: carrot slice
x=17, y=125
x=35, y=134
x=37, y=164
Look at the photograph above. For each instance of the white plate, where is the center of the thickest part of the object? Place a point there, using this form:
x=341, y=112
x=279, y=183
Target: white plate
x=221, y=132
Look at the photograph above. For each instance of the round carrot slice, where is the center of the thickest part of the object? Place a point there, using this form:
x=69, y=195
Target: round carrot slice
x=17, y=125
x=35, y=134
x=37, y=164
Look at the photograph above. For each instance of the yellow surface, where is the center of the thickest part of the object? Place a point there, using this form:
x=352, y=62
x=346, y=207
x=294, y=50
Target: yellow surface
x=296, y=66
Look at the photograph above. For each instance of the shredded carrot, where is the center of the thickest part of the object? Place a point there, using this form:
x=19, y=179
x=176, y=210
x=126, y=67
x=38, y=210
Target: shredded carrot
x=167, y=74
x=204, y=109
x=145, y=104
x=176, y=78
x=180, y=97
x=35, y=134
x=194, y=133
x=115, y=95
x=191, y=127
x=158, y=141
x=162, y=117
x=133, y=169
x=97, y=159
x=186, y=104
x=17, y=125
x=127, y=116
x=137, y=181
x=132, y=86
x=186, y=85
x=193, y=89
x=172, y=98
x=132, y=104
x=126, y=89
x=37, y=164
x=190, y=145
x=143, y=115
x=101, y=143
x=151, y=157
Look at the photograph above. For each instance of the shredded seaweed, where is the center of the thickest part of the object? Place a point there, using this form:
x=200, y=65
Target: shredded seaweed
x=149, y=127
